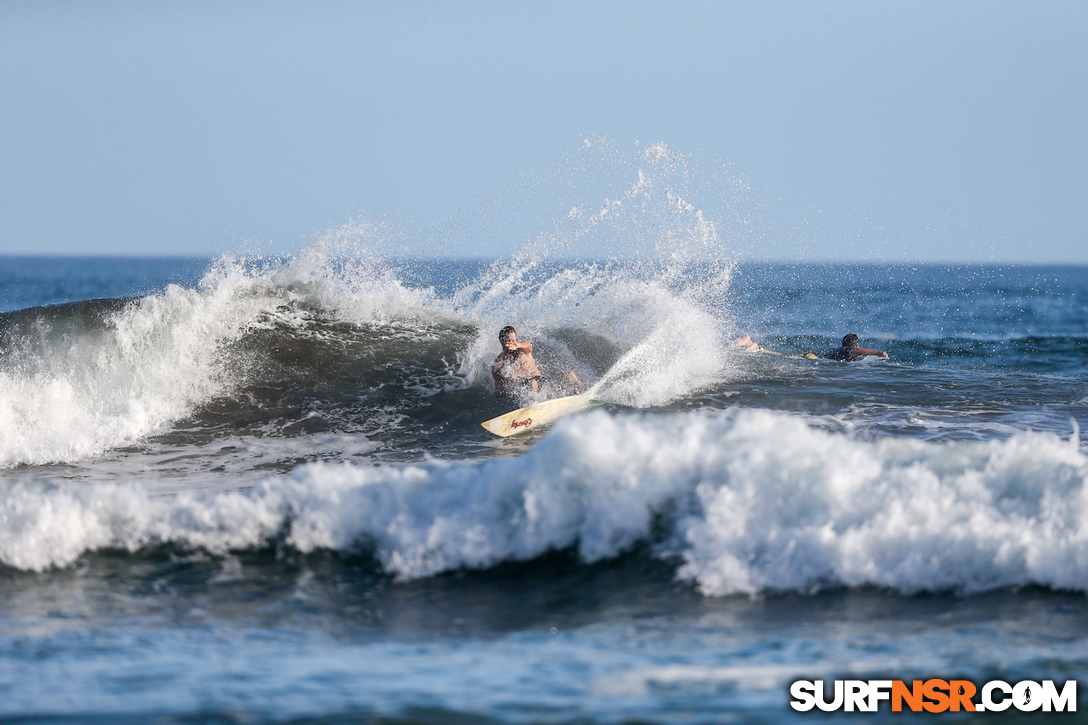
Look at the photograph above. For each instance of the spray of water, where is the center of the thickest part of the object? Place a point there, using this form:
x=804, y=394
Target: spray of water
x=626, y=286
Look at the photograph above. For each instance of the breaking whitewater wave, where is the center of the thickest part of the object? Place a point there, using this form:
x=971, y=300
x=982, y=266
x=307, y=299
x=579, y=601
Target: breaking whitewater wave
x=744, y=502
x=78, y=380
x=346, y=321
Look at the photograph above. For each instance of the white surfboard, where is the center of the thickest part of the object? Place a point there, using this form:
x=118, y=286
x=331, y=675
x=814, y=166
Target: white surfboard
x=537, y=416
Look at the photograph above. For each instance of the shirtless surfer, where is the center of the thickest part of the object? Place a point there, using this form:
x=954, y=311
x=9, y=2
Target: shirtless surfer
x=851, y=351
x=515, y=365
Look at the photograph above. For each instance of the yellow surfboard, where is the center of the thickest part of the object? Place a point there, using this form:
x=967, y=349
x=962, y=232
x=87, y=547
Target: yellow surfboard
x=537, y=416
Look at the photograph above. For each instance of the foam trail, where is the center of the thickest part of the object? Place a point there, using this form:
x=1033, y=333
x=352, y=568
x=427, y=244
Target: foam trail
x=746, y=502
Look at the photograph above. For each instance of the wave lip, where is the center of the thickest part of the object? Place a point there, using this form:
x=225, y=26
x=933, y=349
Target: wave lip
x=746, y=502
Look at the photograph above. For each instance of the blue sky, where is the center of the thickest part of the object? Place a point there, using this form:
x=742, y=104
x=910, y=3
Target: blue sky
x=909, y=131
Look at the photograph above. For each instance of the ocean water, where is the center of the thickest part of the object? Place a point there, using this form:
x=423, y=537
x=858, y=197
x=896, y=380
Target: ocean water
x=257, y=490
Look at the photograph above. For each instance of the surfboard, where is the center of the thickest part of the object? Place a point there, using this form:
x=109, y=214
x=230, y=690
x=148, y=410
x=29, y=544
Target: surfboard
x=538, y=415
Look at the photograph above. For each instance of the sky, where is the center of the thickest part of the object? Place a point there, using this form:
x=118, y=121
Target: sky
x=917, y=131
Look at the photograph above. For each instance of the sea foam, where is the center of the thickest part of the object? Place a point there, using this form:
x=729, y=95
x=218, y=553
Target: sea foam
x=744, y=502
x=75, y=393
x=69, y=393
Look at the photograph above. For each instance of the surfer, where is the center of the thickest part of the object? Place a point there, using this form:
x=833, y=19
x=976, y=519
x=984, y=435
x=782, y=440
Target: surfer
x=515, y=364
x=851, y=351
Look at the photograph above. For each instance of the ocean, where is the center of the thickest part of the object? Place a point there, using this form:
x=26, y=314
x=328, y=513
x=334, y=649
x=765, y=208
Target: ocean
x=257, y=490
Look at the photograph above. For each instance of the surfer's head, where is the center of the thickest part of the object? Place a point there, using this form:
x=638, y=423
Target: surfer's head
x=508, y=337
x=851, y=341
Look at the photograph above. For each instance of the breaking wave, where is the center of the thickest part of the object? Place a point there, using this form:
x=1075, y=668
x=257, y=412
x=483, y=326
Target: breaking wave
x=744, y=502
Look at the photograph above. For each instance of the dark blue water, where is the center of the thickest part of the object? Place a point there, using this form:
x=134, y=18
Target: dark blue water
x=36, y=281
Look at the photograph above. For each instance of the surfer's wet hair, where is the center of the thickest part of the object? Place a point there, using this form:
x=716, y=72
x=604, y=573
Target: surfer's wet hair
x=851, y=340
x=506, y=331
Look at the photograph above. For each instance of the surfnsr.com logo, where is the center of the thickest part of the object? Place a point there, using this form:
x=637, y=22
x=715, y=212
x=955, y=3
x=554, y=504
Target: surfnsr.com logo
x=934, y=696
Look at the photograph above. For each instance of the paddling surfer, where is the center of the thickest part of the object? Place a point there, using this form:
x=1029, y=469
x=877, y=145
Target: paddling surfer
x=851, y=350
x=515, y=365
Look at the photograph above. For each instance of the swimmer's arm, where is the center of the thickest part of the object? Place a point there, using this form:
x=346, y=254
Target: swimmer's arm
x=866, y=351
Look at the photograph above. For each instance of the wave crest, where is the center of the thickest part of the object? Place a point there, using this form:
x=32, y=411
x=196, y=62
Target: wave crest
x=746, y=502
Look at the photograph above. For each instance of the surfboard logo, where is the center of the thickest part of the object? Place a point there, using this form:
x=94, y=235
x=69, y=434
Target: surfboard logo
x=522, y=423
